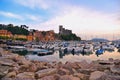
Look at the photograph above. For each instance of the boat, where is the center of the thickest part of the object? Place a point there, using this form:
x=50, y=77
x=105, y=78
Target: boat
x=99, y=52
x=44, y=52
x=16, y=48
x=40, y=52
x=108, y=47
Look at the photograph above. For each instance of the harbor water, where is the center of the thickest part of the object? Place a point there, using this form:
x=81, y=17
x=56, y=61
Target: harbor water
x=63, y=57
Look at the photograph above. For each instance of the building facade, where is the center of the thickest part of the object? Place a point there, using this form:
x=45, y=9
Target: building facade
x=33, y=35
x=44, y=35
x=5, y=33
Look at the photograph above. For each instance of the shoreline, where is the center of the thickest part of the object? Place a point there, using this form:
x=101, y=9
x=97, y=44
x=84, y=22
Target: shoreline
x=16, y=67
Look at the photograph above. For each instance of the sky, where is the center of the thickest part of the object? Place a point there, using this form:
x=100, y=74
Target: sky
x=86, y=18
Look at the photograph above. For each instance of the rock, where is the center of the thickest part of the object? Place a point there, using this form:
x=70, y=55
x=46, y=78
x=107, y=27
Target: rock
x=72, y=65
x=4, y=70
x=74, y=70
x=49, y=65
x=16, y=69
x=101, y=65
x=7, y=78
x=27, y=68
x=26, y=75
x=1, y=51
x=32, y=67
x=23, y=68
x=47, y=78
x=40, y=65
x=23, y=61
x=86, y=71
x=23, y=79
x=54, y=64
x=69, y=77
x=58, y=65
x=7, y=62
x=108, y=72
x=111, y=77
x=117, y=62
x=45, y=72
x=115, y=69
x=93, y=66
x=11, y=56
x=63, y=71
x=111, y=59
x=105, y=62
x=1, y=54
x=80, y=75
x=52, y=77
x=114, y=77
x=56, y=76
x=83, y=64
x=11, y=75
x=97, y=75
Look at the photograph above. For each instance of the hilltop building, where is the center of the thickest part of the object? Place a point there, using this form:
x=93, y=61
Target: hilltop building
x=63, y=31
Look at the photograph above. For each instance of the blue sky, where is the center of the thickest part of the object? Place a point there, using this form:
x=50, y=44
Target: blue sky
x=82, y=16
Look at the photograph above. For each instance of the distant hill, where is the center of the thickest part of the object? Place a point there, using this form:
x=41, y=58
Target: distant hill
x=117, y=40
x=99, y=40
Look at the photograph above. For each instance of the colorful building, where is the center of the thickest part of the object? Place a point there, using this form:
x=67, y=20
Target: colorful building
x=20, y=36
x=5, y=33
x=30, y=37
x=44, y=35
x=37, y=35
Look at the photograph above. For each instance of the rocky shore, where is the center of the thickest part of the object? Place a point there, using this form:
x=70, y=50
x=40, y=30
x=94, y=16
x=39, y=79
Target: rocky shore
x=15, y=67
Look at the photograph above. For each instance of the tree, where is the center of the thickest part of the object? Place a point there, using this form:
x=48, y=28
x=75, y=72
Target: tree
x=70, y=37
x=15, y=29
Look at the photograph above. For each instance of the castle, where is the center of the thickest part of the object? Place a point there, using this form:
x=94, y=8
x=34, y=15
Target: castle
x=63, y=31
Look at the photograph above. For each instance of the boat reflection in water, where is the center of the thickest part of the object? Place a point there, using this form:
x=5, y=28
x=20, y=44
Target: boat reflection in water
x=65, y=53
x=60, y=56
x=84, y=53
x=40, y=52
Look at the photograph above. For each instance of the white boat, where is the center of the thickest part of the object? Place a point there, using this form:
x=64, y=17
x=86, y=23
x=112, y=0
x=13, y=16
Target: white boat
x=39, y=51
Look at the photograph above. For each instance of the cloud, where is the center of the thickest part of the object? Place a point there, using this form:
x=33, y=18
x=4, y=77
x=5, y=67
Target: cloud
x=35, y=18
x=77, y=18
x=82, y=20
x=25, y=17
x=11, y=15
x=43, y=4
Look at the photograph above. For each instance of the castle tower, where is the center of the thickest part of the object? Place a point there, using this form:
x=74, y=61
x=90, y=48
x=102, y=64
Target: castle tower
x=60, y=29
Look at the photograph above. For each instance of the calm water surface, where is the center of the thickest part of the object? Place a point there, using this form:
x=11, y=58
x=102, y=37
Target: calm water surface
x=57, y=56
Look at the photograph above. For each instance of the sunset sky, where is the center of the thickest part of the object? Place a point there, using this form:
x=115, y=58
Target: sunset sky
x=87, y=18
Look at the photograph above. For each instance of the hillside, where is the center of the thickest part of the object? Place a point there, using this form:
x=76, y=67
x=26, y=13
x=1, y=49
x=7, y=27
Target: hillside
x=22, y=30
